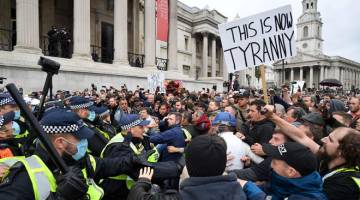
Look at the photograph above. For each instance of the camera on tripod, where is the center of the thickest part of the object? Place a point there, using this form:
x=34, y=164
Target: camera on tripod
x=2, y=80
x=49, y=66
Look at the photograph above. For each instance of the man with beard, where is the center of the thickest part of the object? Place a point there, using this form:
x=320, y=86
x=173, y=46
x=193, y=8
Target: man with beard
x=339, y=164
x=37, y=177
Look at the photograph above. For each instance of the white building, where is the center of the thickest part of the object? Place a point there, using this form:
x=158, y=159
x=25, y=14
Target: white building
x=311, y=64
x=120, y=35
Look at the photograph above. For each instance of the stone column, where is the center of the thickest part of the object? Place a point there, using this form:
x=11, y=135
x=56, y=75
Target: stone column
x=121, y=32
x=82, y=29
x=150, y=34
x=193, y=58
x=136, y=19
x=173, y=37
x=301, y=74
x=321, y=73
x=224, y=67
x=292, y=74
x=213, y=57
x=311, y=80
x=205, y=55
x=27, y=26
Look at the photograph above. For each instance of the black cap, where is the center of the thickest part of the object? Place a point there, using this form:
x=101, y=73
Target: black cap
x=294, y=154
x=314, y=118
x=206, y=156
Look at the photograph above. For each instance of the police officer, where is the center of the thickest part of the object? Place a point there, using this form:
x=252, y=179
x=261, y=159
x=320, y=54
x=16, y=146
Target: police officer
x=7, y=104
x=83, y=108
x=8, y=129
x=128, y=145
x=102, y=122
x=37, y=177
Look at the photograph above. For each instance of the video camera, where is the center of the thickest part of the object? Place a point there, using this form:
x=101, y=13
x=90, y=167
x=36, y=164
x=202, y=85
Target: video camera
x=49, y=66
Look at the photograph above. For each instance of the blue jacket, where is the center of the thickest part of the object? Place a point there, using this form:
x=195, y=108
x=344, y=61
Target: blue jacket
x=304, y=188
x=171, y=137
x=212, y=188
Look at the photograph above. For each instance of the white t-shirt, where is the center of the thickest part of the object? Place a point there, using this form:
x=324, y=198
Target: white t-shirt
x=238, y=149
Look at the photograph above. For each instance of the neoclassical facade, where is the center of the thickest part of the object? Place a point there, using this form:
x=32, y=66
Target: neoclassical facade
x=112, y=42
x=311, y=64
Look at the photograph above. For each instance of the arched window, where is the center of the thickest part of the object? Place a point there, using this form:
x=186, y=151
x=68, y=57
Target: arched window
x=307, y=6
x=312, y=5
x=318, y=31
x=306, y=32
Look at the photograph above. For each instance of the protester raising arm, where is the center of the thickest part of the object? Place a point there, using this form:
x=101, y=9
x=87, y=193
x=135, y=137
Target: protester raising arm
x=292, y=131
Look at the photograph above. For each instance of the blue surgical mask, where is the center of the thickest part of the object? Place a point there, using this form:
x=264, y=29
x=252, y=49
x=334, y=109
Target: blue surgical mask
x=91, y=116
x=81, y=147
x=17, y=114
x=16, y=128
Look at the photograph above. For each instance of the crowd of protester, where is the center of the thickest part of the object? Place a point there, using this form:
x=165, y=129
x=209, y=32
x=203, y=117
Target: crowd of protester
x=208, y=144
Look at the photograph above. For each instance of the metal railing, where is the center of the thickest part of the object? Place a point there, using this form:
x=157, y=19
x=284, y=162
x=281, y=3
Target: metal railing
x=136, y=60
x=102, y=54
x=161, y=64
x=7, y=39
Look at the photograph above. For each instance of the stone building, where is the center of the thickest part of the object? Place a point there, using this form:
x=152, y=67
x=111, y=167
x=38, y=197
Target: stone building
x=110, y=42
x=311, y=64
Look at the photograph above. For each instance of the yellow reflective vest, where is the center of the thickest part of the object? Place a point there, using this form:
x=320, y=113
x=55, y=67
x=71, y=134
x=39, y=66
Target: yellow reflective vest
x=153, y=158
x=43, y=181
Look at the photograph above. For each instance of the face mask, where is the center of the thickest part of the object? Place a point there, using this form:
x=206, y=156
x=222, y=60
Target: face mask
x=91, y=116
x=16, y=128
x=81, y=147
x=17, y=114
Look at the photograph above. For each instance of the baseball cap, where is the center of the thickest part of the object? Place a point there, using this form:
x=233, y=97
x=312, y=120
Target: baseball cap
x=294, y=154
x=224, y=118
x=314, y=118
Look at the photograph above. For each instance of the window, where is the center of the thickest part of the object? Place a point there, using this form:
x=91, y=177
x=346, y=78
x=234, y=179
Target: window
x=307, y=6
x=306, y=32
x=312, y=5
x=318, y=31
x=186, y=43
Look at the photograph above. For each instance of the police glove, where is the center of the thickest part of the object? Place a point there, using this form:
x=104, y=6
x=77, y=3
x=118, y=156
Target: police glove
x=72, y=185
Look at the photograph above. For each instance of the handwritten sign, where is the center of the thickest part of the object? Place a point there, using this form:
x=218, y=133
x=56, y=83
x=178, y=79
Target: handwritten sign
x=258, y=39
x=155, y=81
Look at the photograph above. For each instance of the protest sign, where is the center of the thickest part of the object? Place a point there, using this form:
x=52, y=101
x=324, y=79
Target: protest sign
x=156, y=80
x=258, y=39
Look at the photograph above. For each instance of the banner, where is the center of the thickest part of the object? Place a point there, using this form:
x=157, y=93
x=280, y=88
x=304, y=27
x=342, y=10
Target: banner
x=162, y=20
x=155, y=81
x=258, y=39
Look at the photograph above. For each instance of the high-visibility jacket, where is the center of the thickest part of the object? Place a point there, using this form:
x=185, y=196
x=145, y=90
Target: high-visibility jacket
x=153, y=158
x=355, y=177
x=43, y=181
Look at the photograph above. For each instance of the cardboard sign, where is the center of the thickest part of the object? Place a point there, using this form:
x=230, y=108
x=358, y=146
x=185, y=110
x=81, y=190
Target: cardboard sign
x=156, y=80
x=258, y=39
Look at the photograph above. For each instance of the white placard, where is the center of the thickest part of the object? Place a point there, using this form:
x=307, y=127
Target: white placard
x=258, y=39
x=156, y=80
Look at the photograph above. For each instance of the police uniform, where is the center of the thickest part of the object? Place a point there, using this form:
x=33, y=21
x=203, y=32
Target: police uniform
x=98, y=141
x=118, y=187
x=35, y=177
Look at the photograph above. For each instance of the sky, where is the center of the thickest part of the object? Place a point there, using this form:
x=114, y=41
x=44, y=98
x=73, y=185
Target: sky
x=341, y=20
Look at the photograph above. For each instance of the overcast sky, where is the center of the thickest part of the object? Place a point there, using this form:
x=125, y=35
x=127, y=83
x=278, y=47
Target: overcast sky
x=341, y=28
